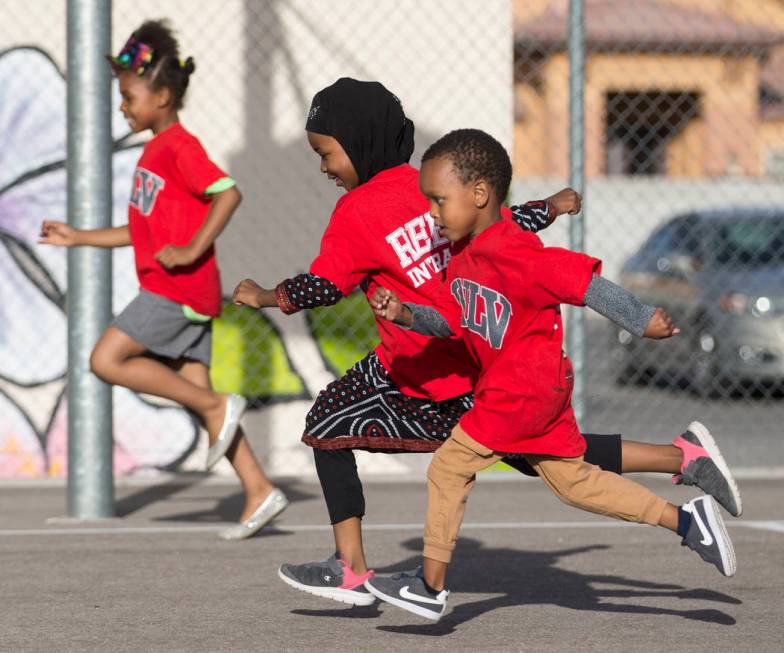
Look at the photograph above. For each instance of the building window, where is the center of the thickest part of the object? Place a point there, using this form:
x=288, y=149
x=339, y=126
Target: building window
x=639, y=127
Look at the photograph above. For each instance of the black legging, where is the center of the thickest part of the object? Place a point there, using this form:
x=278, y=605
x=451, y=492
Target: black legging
x=337, y=471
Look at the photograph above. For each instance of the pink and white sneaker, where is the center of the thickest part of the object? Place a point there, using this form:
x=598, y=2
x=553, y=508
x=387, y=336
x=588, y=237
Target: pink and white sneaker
x=704, y=466
x=331, y=579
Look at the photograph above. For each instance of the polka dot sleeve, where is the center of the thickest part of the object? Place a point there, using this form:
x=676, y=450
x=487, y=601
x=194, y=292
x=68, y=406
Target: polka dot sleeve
x=306, y=291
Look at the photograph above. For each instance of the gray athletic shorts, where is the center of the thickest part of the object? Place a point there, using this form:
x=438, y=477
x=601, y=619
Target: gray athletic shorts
x=161, y=326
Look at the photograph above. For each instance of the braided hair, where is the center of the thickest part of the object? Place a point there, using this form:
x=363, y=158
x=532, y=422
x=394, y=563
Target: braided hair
x=474, y=155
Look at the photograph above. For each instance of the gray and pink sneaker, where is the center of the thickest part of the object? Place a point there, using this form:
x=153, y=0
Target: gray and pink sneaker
x=704, y=466
x=331, y=579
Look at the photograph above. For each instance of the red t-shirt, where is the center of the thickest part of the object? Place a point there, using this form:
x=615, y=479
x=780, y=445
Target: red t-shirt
x=167, y=207
x=503, y=295
x=382, y=232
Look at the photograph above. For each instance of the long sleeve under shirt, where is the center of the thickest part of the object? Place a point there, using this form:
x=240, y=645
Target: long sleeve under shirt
x=606, y=298
x=306, y=291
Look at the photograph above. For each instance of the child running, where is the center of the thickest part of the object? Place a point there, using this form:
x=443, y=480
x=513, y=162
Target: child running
x=407, y=395
x=180, y=203
x=503, y=296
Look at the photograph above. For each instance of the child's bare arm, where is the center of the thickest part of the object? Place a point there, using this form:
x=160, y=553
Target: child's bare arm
x=223, y=205
x=64, y=235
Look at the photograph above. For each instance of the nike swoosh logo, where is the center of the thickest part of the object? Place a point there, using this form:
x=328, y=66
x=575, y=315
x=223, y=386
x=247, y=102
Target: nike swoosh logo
x=404, y=593
x=707, y=538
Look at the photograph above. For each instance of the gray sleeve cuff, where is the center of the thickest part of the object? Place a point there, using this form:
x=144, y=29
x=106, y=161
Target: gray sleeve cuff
x=619, y=305
x=427, y=321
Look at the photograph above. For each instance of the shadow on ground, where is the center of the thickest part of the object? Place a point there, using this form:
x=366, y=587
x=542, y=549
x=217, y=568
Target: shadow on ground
x=519, y=578
x=226, y=509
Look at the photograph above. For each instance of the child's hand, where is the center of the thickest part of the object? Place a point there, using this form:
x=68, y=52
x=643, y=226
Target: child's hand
x=386, y=304
x=567, y=200
x=57, y=233
x=660, y=326
x=247, y=294
x=172, y=257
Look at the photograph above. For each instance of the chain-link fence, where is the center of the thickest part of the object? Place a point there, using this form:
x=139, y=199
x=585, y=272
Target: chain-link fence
x=684, y=153
x=684, y=203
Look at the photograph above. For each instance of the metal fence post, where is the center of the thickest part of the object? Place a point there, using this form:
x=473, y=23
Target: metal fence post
x=90, y=483
x=576, y=340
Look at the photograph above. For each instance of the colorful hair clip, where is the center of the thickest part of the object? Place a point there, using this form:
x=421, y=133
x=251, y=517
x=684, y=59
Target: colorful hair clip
x=135, y=55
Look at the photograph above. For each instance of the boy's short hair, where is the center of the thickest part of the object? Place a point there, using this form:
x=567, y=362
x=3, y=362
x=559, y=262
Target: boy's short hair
x=475, y=155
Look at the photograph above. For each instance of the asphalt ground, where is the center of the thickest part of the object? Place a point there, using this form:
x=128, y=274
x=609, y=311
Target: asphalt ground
x=530, y=574
x=748, y=427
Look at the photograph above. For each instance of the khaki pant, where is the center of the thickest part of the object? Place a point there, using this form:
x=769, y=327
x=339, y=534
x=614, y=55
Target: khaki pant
x=452, y=474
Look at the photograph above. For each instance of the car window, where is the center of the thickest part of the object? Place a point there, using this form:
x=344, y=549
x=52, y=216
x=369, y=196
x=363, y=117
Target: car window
x=749, y=242
x=677, y=238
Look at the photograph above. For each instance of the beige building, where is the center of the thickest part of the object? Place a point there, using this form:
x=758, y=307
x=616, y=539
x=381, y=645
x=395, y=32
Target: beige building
x=684, y=88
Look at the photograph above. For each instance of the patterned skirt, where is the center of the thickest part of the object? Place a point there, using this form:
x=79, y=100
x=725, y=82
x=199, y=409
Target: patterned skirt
x=365, y=410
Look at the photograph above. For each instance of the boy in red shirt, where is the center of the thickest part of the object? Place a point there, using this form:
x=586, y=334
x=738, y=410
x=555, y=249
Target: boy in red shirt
x=503, y=296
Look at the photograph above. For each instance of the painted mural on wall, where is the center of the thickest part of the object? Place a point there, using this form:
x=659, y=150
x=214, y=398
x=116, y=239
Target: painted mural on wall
x=249, y=356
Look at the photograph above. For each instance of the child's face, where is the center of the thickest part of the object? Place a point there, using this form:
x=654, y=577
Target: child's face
x=141, y=107
x=455, y=206
x=335, y=163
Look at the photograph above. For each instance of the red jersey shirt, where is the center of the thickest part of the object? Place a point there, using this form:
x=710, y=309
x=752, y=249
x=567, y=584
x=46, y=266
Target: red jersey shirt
x=167, y=207
x=382, y=232
x=504, y=290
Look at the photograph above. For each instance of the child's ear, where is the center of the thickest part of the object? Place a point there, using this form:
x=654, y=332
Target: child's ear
x=164, y=97
x=481, y=194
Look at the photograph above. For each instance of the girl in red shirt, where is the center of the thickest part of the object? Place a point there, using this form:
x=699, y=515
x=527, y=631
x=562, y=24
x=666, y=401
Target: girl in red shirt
x=180, y=203
x=503, y=296
x=409, y=393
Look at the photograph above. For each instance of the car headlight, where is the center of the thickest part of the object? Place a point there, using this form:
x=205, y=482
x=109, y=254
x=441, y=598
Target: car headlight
x=739, y=303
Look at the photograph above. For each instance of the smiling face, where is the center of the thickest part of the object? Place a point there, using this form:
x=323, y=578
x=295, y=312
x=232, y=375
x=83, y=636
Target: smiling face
x=335, y=163
x=142, y=107
x=457, y=208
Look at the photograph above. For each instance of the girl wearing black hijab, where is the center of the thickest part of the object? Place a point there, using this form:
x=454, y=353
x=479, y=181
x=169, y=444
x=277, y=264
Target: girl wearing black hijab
x=408, y=394
x=368, y=123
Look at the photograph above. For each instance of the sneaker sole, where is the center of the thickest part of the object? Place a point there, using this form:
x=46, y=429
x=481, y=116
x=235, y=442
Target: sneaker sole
x=405, y=605
x=726, y=550
x=709, y=444
x=334, y=593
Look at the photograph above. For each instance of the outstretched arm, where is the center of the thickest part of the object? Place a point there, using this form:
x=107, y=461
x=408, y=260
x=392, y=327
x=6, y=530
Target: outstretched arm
x=420, y=318
x=305, y=291
x=538, y=215
x=627, y=311
x=64, y=235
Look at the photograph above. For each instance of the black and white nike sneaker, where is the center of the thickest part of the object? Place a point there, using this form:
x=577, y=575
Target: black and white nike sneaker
x=407, y=590
x=707, y=535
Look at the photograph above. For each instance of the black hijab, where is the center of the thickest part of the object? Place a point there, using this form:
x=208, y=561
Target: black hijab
x=368, y=122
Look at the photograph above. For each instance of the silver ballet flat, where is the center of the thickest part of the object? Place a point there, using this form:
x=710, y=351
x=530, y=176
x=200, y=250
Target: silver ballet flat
x=270, y=508
x=235, y=407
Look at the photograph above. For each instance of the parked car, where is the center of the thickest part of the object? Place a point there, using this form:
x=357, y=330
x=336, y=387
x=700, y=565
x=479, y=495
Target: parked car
x=720, y=274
